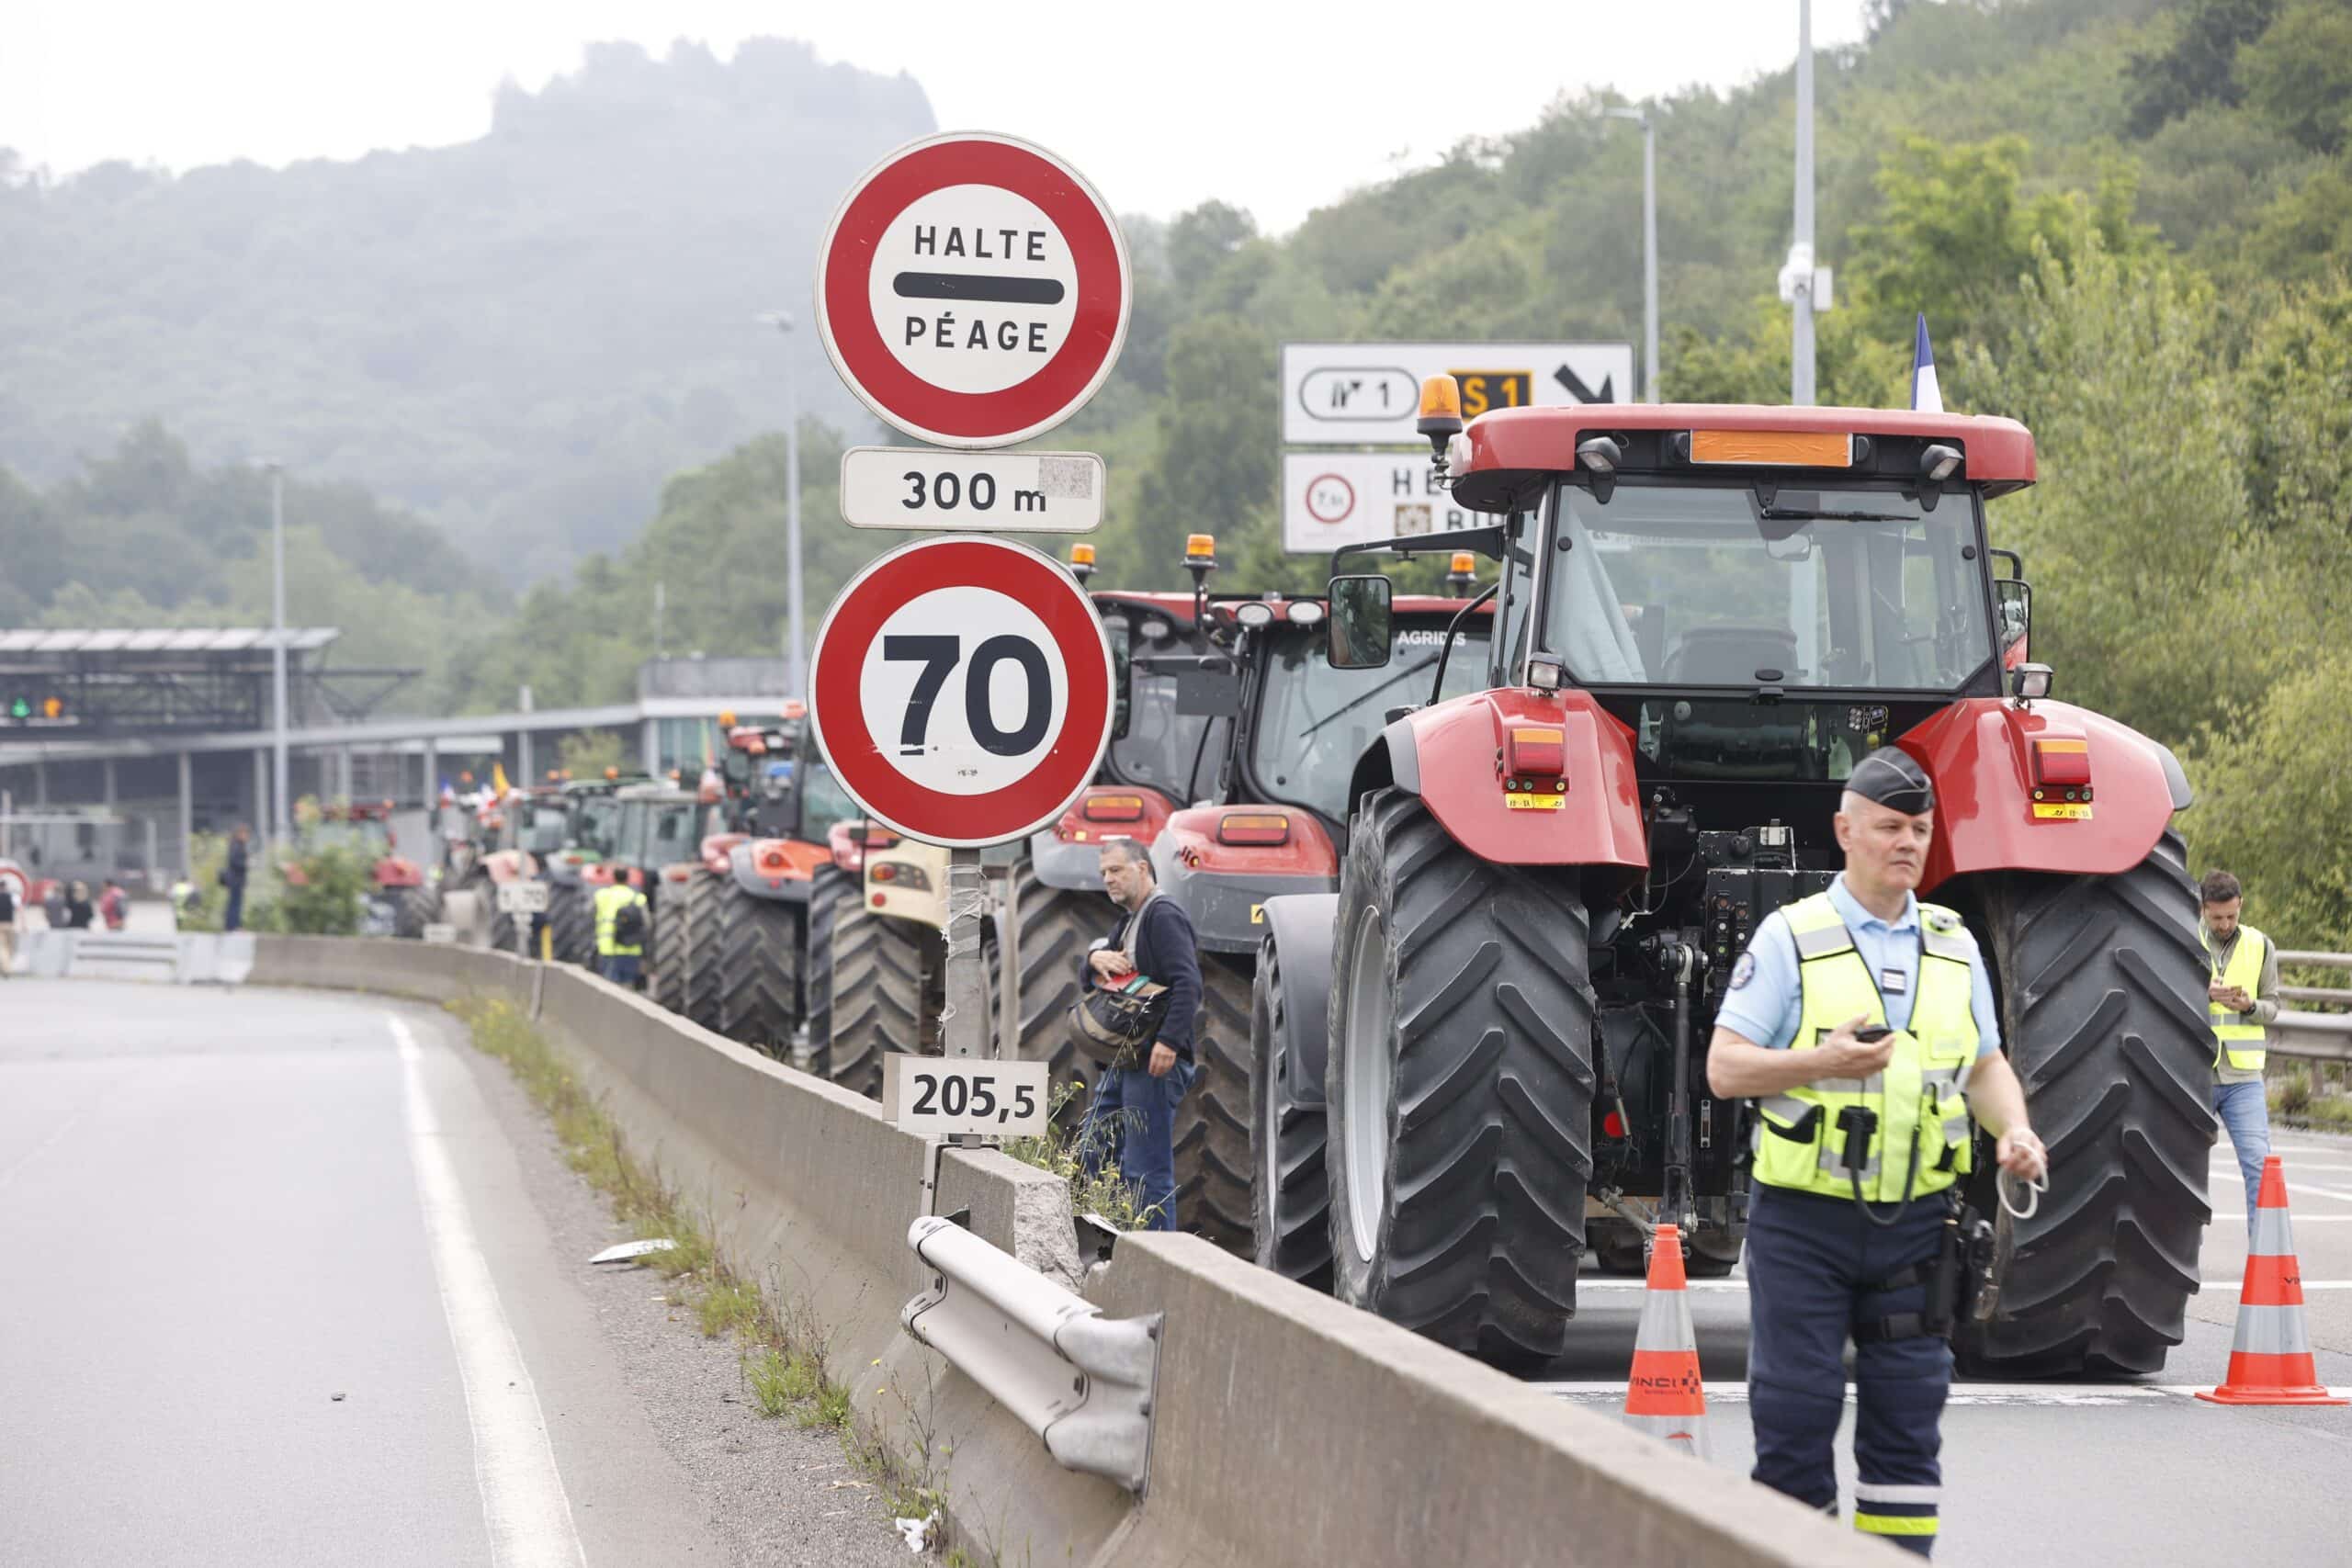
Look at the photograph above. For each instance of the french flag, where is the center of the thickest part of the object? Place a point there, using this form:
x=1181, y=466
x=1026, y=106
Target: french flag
x=1926, y=396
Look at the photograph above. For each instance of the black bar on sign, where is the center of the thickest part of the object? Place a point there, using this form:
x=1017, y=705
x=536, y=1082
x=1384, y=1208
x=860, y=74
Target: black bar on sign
x=978, y=286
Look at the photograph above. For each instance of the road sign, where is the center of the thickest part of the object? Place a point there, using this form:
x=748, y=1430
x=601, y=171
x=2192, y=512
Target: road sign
x=961, y=690
x=522, y=898
x=973, y=289
x=1369, y=393
x=941, y=1096
x=906, y=486
x=1332, y=499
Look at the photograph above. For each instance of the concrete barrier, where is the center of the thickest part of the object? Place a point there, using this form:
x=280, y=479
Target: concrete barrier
x=1286, y=1428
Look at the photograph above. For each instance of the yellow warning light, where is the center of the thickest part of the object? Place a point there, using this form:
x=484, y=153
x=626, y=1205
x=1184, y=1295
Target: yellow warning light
x=553, y=775
x=612, y=773
x=1441, y=398
x=1081, y=555
x=53, y=707
x=726, y=718
x=1200, y=547
x=1465, y=563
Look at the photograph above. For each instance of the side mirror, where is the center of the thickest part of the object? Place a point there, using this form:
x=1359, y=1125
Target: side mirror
x=1360, y=632
x=2013, y=597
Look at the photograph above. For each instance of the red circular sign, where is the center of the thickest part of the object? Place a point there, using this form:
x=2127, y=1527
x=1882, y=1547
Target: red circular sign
x=973, y=290
x=961, y=690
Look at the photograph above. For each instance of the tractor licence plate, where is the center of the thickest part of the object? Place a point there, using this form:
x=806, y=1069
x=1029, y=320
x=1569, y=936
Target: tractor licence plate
x=2062, y=812
x=1535, y=802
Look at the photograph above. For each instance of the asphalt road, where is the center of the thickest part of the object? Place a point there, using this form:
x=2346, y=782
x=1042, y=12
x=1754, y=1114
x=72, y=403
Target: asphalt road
x=296, y=1278
x=2125, y=1472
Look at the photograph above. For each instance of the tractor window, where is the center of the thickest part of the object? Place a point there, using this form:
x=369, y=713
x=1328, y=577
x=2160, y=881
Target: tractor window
x=1705, y=585
x=1314, y=721
x=824, y=803
x=674, y=835
x=630, y=834
x=544, y=835
x=599, y=814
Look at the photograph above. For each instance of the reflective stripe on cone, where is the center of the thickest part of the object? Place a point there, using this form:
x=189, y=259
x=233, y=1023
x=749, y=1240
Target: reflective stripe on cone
x=1665, y=1396
x=2270, y=1355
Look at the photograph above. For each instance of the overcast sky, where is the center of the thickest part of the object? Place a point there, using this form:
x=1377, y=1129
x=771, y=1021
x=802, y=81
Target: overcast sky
x=1277, y=105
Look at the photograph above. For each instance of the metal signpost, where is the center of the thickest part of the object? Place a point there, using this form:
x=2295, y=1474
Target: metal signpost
x=523, y=899
x=973, y=290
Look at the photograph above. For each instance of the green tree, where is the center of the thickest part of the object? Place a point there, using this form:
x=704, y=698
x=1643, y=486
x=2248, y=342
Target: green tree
x=586, y=753
x=1215, y=468
x=2298, y=76
x=2199, y=65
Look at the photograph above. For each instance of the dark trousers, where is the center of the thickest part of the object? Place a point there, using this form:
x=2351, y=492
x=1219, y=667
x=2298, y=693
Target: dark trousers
x=1810, y=1263
x=620, y=968
x=1135, y=1114
x=235, y=918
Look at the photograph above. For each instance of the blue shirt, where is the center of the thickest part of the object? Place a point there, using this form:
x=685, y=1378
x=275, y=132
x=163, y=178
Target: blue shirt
x=1765, y=1000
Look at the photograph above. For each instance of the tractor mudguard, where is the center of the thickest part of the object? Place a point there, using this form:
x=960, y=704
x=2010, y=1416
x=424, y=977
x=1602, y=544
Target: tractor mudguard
x=1452, y=755
x=717, y=848
x=394, y=872
x=1224, y=888
x=776, y=868
x=1298, y=927
x=1067, y=855
x=1980, y=752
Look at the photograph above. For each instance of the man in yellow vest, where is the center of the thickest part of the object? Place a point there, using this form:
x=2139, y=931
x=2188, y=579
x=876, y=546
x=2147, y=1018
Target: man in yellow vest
x=2244, y=996
x=620, y=930
x=1862, y=1022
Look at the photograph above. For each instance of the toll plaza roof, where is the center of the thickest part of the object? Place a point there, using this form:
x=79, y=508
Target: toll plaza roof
x=165, y=640
x=1510, y=447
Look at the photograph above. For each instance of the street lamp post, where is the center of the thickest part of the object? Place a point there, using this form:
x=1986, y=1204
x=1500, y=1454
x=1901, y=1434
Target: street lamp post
x=1649, y=246
x=781, y=321
x=277, y=816
x=1799, y=280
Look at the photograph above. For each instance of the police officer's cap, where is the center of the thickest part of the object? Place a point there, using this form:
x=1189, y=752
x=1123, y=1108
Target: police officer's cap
x=1889, y=776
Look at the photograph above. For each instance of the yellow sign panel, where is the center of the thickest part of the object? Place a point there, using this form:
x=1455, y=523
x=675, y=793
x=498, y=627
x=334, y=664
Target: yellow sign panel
x=1483, y=390
x=2061, y=812
x=1535, y=802
x=1257, y=914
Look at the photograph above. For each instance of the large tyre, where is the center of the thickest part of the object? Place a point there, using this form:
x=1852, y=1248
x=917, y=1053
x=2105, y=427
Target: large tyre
x=1460, y=1085
x=711, y=901
x=503, y=933
x=1290, y=1198
x=419, y=907
x=2103, y=1012
x=1212, y=1125
x=831, y=891
x=668, y=950
x=571, y=924
x=875, y=976
x=759, y=975
x=1056, y=926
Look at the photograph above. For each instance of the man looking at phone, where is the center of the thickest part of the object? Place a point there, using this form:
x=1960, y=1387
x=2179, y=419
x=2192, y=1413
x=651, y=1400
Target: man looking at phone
x=1863, y=1022
x=2244, y=998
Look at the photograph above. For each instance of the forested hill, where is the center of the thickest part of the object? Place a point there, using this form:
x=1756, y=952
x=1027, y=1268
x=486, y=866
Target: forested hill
x=520, y=337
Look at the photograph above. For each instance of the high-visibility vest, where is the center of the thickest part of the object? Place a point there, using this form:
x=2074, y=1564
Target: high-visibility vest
x=609, y=901
x=1920, y=1142
x=2238, y=1036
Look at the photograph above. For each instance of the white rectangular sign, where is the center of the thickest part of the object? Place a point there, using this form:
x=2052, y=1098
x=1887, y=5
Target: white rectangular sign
x=919, y=487
x=1332, y=499
x=522, y=898
x=440, y=931
x=937, y=1096
x=1369, y=393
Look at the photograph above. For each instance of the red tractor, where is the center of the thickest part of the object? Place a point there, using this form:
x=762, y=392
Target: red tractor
x=401, y=899
x=1707, y=616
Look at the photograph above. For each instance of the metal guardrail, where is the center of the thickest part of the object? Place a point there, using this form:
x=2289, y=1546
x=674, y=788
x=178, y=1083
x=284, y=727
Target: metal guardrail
x=1080, y=1381
x=2314, y=1036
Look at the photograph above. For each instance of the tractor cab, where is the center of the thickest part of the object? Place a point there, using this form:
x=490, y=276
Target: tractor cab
x=401, y=899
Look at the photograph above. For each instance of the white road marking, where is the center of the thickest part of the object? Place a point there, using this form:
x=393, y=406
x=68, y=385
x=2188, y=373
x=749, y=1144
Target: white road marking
x=1961, y=1393
x=2220, y=1215
x=1583, y=1285
x=2232, y=1285
x=523, y=1501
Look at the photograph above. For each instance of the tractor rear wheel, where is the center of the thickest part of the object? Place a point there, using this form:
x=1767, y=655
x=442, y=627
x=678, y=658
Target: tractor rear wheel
x=2103, y=1013
x=571, y=924
x=1212, y=1125
x=1056, y=926
x=1289, y=1199
x=874, y=980
x=419, y=907
x=668, y=950
x=503, y=932
x=759, y=975
x=711, y=905
x=1459, y=1088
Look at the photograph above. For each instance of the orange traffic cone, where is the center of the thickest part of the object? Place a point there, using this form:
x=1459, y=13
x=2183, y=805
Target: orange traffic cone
x=2270, y=1360
x=1665, y=1396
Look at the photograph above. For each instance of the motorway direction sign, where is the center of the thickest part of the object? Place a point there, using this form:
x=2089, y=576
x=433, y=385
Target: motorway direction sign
x=973, y=289
x=910, y=487
x=961, y=690
x=1332, y=499
x=1367, y=394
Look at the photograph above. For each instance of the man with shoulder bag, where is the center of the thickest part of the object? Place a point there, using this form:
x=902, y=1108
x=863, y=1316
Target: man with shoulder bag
x=1140, y=990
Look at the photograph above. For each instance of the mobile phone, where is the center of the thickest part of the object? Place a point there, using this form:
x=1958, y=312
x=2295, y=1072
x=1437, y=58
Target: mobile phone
x=1871, y=1033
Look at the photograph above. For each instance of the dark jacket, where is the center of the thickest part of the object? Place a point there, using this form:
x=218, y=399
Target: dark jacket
x=1167, y=953
x=233, y=873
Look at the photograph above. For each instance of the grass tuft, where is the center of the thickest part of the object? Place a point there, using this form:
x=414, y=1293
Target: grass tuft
x=1062, y=1150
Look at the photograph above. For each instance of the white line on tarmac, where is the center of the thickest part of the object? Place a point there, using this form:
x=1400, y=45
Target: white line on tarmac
x=523, y=1501
x=2231, y=1285
x=1961, y=1393
x=2220, y=1215
x=1742, y=1284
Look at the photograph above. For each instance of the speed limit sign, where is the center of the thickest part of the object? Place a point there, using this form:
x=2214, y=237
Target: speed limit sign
x=962, y=690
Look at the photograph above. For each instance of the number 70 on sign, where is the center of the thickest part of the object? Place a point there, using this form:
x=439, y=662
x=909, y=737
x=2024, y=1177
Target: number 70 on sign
x=942, y=1096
